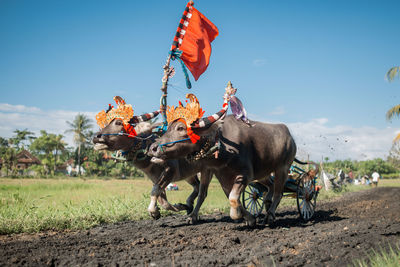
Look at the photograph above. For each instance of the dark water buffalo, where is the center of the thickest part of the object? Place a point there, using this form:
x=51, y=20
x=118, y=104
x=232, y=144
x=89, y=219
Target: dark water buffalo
x=160, y=174
x=245, y=154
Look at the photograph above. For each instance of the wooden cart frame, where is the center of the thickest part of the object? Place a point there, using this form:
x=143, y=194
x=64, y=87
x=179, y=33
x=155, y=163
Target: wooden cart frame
x=298, y=186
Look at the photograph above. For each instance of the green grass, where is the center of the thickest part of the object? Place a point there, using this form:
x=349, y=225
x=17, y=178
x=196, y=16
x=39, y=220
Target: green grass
x=33, y=205
x=37, y=205
x=389, y=258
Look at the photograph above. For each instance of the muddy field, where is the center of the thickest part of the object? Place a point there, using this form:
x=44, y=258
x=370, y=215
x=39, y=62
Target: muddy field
x=342, y=230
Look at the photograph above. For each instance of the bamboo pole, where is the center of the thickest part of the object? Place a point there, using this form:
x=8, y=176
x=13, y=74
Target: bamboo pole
x=164, y=87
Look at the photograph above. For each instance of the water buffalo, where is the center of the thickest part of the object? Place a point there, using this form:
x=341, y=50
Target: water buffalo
x=245, y=154
x=113, y=138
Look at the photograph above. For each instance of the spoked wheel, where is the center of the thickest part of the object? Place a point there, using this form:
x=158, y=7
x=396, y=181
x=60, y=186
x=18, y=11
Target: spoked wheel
x=306, y=198
x=252, y=198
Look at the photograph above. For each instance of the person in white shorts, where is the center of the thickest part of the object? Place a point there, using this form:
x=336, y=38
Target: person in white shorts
x=375, y=178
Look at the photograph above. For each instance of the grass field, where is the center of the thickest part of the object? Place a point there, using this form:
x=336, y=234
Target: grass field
x=33, y=205
x=382, y=258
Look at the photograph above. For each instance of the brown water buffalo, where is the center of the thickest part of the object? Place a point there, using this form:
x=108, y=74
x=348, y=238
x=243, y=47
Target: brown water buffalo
x=245, y=154
x=112, y=138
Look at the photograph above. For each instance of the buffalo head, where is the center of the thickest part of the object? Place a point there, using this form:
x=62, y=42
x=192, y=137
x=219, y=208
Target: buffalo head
x=114, y=136
x=185, y=132
x=173, y=143
x=177, y=143
x=119, y=127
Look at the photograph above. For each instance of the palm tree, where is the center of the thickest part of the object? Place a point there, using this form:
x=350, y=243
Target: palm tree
x=392, y=73
x=10, y=159
x=21, y=137
x=394, y=111
x=80, y=127
x=59, y=145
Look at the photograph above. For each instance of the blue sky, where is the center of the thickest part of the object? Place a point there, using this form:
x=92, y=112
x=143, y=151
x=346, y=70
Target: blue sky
x=317, y=66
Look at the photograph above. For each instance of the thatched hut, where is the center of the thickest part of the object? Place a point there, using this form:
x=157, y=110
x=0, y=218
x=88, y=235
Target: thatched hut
x=25, y=159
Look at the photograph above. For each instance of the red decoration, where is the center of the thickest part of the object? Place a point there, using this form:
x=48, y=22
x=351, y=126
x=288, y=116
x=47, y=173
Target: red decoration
x=196, y=43
x=193, y=137
x=130, y=130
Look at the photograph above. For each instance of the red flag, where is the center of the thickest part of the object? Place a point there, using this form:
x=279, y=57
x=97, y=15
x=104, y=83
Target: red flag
x=196, y=42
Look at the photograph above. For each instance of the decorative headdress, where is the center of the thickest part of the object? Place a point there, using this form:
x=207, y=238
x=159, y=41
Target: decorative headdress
x=191, y=113
x=123, y=112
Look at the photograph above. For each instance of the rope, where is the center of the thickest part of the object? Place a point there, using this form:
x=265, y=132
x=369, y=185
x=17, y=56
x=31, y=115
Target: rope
x=161, y=145
x=163, y=105
x=137, y=152
x=122, y=133
x=179, y=89
x=176, y=54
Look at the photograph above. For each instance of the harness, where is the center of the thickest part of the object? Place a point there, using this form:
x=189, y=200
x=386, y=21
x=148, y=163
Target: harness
x=139, y=151
x=207, y=150
x=134, y=152
x=120, y=133
x=174, y=142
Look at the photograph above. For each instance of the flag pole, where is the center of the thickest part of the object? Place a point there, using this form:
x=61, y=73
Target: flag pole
x=164, y=89
x=169, y=71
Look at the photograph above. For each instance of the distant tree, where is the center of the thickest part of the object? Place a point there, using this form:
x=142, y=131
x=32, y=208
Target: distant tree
x=392, y=73
x=394, y=155
x=19, y=140
x=59, y=146
x=80, y=127
x=43, y=147
x=10, y=159
x=379, y=165
x=3, y=146
x=48, y=147
x=3, y=142
x=394, y=111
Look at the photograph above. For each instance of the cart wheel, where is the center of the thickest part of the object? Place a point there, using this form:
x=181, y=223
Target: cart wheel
x=306, y=198
x=253, y=200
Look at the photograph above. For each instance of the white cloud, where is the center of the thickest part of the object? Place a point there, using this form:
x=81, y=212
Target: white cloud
x=259, y=62
x=316, y=139
x=18, y=108
x=278, y=111
x=34, y=119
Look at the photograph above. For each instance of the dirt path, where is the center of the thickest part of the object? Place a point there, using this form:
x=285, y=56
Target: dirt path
x=342, y=230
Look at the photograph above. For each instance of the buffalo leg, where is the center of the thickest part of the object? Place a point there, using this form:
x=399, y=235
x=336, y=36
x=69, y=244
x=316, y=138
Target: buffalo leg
x=268, y=197
x=279, y=184
x=153, y=209
x=194, y=182
x=237, y=210
x=158, y=189
x=162, y=199
x=159, y=194
x=269, y=194
x=205, y=180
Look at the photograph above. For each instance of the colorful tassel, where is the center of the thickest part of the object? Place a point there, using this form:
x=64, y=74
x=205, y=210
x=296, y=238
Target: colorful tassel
x=130, y=130
x=193, y=137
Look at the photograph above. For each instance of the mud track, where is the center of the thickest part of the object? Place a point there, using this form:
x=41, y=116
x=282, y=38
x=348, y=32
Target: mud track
x=342, y=230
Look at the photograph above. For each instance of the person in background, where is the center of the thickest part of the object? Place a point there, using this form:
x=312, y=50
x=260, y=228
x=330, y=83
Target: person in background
x=363, y=179
x=351, y=175
x=375, y=178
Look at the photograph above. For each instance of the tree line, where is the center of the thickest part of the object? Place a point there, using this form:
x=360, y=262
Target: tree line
x=55, y=154
x=389, y=168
